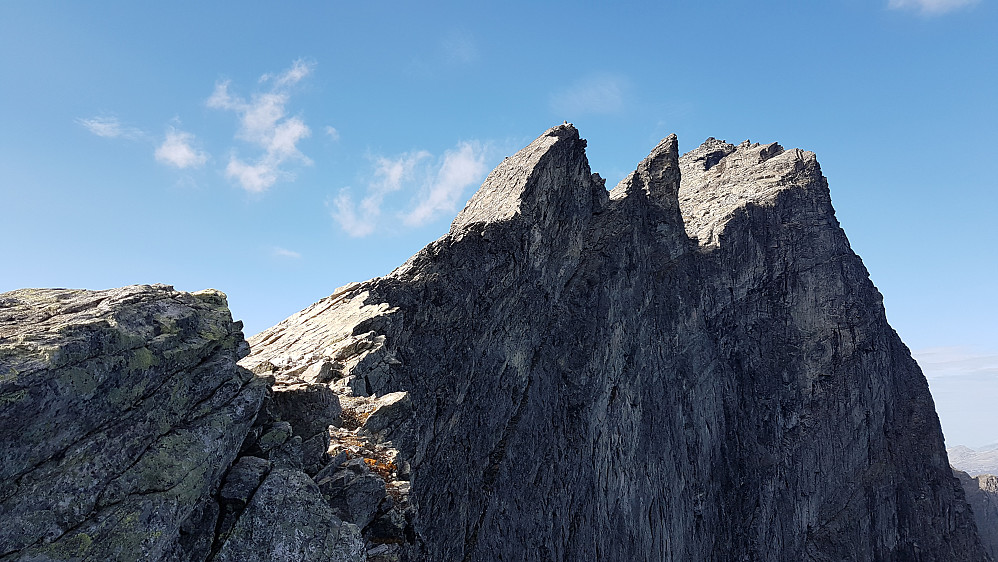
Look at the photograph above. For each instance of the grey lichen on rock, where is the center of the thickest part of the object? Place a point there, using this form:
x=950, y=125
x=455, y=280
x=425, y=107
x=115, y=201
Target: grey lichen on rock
x=122, y=410
x=288, y=520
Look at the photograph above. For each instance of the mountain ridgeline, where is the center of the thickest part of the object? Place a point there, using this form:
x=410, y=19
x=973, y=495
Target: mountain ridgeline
x=693, y=365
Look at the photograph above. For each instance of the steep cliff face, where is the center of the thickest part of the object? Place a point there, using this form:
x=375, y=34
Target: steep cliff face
x=982, y=496
x=693, y=366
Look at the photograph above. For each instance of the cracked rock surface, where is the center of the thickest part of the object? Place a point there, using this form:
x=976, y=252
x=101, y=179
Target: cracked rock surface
x=694, y=366
x=129, y=432
x=120, y=411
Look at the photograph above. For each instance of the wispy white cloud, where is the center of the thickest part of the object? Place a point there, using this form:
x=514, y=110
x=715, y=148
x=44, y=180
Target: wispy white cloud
x=279, y=252
x=110, y=127
x=299, y=70
x=264, y=122
x=255, y=178
x=941, y=362
x=436, y=187
x=178, y=150
x=391, y=172
x=361, y=219
x=333, y=133
x=601, y=93
x=356, y=222
x=930, y=7
x=460, y=168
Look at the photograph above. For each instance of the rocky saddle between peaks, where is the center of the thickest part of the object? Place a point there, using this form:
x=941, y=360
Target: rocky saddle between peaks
x=692, y=366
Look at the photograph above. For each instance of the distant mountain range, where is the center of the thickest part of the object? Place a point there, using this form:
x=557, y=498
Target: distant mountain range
x=983, y=460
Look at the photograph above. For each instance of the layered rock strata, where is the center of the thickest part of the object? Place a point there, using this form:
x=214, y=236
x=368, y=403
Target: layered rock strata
x=692, y=366
x=121, y=412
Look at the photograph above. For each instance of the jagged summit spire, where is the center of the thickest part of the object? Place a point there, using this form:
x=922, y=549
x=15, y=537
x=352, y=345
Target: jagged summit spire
x=565, y=357
x=549, y=178
x=657, y=176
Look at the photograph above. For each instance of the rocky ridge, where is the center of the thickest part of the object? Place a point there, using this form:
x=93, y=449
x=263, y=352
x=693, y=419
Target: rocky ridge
x=694, y=365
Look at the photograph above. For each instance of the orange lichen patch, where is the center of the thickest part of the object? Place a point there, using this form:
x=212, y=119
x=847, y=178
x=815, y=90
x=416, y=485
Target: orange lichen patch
x=355, y=415
x=381, y=460
x=382, y=468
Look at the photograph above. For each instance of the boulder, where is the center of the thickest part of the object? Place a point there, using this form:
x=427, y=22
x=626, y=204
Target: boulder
x=354, y=492
x=120, y=411
x=288, y=520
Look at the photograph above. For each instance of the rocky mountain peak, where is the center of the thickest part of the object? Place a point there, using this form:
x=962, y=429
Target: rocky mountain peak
x=581, y=383
x=657, y=176
x=720, y=179
x=696, y=367
x=545, y=183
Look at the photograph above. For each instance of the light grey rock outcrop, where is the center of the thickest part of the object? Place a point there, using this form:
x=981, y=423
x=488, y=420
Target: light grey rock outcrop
x=982, y=495
x=129, y=432
x=120, y=411
x=695, y=366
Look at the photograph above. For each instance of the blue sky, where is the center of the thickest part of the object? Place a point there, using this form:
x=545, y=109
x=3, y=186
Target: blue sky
x=277, y=151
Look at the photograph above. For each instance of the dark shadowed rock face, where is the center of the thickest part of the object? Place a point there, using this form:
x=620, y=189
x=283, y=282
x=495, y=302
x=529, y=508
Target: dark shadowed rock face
x=982, y=496
x=693, y=366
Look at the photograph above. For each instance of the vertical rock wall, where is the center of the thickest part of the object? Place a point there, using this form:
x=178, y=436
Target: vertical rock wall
x=982, y=496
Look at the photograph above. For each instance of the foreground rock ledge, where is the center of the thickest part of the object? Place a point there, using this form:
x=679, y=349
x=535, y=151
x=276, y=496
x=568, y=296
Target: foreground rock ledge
x=120, y=412
x=693, y=366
